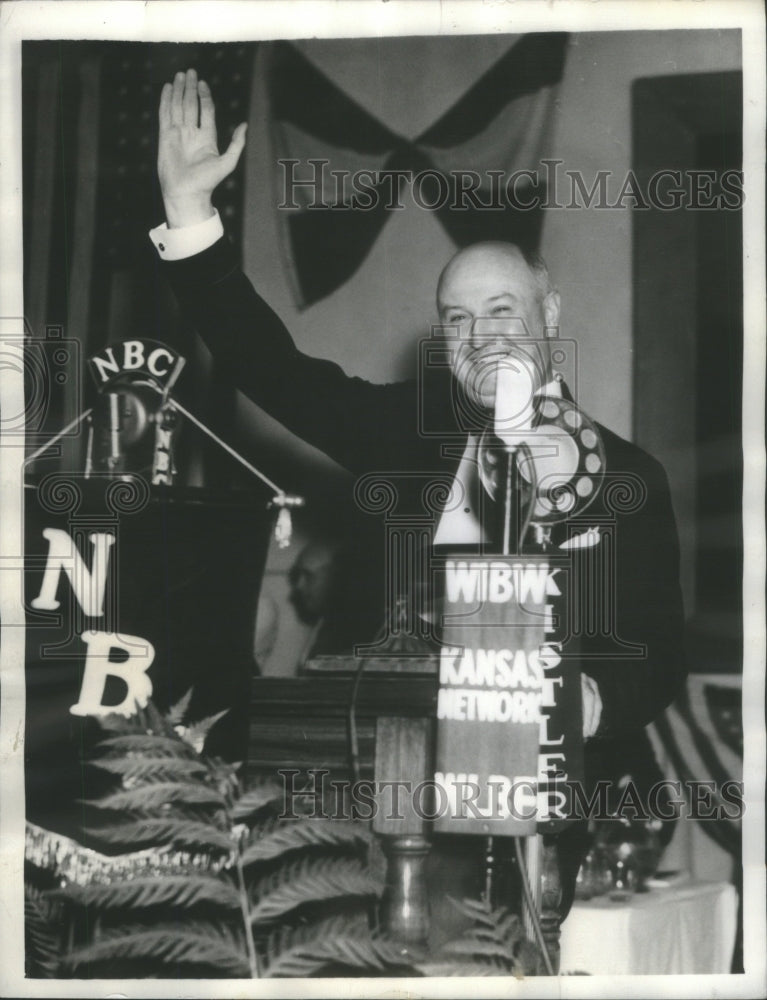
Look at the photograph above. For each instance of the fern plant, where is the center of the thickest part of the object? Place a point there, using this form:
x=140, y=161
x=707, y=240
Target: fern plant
x=210, y=879
x=494, y=944
x=42, y=933
x=223, y=884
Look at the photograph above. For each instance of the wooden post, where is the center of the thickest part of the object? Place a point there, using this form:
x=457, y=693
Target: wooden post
x=404, y=758
x=406, y=904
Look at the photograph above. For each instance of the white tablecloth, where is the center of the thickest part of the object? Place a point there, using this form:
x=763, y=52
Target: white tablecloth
x=685, y=929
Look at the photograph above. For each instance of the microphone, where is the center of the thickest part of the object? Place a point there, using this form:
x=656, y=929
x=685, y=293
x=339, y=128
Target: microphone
x=114, y=430
x=542, y=441
x=514, y=393
x=512, y=416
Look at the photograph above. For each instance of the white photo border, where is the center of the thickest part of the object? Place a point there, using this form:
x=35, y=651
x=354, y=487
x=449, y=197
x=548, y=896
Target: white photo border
x=263, y=19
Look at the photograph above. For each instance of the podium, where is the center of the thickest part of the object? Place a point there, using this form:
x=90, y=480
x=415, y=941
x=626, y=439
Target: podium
x=302, y=725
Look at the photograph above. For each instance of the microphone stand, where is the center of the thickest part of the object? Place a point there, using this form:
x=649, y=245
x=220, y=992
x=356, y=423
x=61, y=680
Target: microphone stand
x=511, y=504
x=511, y=520
x=530, y=856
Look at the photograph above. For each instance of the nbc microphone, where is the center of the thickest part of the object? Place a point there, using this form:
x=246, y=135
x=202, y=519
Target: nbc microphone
x=513, y=415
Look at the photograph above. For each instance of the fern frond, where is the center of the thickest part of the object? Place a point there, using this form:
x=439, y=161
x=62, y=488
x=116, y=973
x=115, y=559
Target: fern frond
x=177, y=712
x=306, y=950
x=501, y=923
x=482, y=933
x=477, y=909
x=151, y=720
x=289, y=836
x=223, y=775
x=186, y=890
x=309, y=880
x=145, y=768
x=115, y=723
x=256, y=798
x=153, y=796
x=506, y=931
x=196, y=734
x=211, y=944
x=478, y=948
x=149, y=744
x=496, y=941
x=178, y=831
x=529, y=959
x=42, y=927
x=285, y=936
x=223, y=770
x=508, y=926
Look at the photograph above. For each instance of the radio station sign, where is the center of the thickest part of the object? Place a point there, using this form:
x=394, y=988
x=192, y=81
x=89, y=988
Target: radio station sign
x=509, y=703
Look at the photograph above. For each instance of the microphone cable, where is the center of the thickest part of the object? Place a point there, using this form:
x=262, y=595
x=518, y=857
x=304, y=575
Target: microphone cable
x=531, y=907
x=528, y=458
x=353, y=744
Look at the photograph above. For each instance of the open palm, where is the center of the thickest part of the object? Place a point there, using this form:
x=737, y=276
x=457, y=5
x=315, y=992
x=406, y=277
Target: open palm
x=188, y=161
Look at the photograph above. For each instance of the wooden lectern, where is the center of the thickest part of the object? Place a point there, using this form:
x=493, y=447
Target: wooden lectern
x=302, y=724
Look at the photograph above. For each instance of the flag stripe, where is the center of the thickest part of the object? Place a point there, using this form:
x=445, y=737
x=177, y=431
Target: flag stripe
x=502, y=123
x=535, y=62
x=303, y=95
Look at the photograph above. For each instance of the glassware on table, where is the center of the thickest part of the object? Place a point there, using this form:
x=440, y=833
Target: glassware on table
x=633, y=849
x=594, y=876
x=624, y=879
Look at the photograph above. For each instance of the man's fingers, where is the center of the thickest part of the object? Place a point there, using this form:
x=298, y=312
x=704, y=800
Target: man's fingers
x=190, y=99
x=207, y=107
x=236, y=146
x=177, y=100
x=164, y=113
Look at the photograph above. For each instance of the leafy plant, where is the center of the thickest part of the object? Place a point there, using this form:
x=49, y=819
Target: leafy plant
x=42, y=933
x=494, y=945
x=213, y=880
x=225, y=883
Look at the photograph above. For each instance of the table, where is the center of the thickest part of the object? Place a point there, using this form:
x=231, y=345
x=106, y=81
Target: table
x=682, y=929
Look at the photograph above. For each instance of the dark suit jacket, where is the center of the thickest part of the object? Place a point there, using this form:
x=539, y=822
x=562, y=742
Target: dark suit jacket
x=375, y=428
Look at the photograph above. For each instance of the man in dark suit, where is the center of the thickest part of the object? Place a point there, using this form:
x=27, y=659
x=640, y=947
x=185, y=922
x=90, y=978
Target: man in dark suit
x=632, y=664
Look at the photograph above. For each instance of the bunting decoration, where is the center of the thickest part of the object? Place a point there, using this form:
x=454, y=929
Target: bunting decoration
x=342, y=171
x=701, y=736
x=73, y=864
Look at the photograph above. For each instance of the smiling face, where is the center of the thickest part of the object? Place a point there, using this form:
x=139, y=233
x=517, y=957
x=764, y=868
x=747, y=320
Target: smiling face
x=496, y=303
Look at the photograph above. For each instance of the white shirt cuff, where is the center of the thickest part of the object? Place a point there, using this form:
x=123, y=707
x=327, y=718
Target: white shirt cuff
x=175, y=244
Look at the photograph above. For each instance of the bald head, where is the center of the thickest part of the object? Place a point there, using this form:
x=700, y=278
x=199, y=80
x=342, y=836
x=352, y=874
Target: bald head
x=493, y=294
x=499, y=257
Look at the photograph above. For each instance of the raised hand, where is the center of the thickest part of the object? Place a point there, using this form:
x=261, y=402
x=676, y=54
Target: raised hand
x=188, y=162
